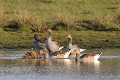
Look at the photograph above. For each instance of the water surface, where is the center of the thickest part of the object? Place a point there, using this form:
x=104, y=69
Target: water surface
x=14, y=68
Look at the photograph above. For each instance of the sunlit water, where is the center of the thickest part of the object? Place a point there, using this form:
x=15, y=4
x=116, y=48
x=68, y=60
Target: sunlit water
x=14, y=68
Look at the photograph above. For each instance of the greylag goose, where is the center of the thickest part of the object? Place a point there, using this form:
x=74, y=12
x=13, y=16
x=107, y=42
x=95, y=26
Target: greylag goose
x=52, y=46
x=61, y=54
x=36, y=55
x=87, y=56
x=31, y=55
x=71, y=46
x=38, y=43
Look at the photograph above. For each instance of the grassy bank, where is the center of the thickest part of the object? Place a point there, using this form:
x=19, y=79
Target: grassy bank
x=92, y=23
x=85, y=39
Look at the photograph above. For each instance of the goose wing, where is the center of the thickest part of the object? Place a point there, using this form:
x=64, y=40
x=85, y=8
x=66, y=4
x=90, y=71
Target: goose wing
x=52, y=46
x=67, y=54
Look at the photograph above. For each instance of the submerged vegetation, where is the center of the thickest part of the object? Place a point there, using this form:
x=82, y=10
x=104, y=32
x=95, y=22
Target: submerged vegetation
x=92, y=23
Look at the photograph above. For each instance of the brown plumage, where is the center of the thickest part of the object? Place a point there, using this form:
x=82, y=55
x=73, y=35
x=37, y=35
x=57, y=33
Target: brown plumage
x=31, y=55
x=71, y=46
x=90, y=55
x=61, y=54
x=52, y=46
x=38, y=43
x=87, y=56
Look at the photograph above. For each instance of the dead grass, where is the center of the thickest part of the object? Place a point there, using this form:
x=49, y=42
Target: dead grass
x=24, y=17
x=2, y=16
x=117, y=16
x=21, y=16
x=101, y=23
x=62, y=18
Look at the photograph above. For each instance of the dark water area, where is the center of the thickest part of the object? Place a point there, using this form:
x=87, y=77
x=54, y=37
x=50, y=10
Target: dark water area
x=14, y=68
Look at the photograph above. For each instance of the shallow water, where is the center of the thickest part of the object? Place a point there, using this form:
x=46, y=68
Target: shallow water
x=14, y=68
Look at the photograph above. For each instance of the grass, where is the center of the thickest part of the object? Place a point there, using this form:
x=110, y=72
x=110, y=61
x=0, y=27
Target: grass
x=93, y=24
x=84, y=39
x=46, y=8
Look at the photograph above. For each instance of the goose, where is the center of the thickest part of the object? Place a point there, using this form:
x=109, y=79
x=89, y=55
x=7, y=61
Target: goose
x=38, y=43
x=31, y=55
x=87, y=56
x=52, y=46
x=71, y=46
x=58, y=54
x=36, y=55
x=61, y=54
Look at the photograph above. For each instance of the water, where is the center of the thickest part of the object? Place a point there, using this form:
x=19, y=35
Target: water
x=14, y=68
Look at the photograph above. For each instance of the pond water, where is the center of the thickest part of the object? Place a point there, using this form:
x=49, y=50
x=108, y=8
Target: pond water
x=14, y=68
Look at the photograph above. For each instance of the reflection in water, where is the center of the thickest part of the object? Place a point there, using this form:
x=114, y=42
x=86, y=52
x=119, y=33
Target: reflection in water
x=66, y=69
x=38, y=62
x=93, y=65
x=61, y=62
x=12, y=68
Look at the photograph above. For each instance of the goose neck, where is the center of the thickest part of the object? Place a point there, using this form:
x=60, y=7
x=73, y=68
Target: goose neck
x=77, y=56
x=49, y=35
x=70, y=40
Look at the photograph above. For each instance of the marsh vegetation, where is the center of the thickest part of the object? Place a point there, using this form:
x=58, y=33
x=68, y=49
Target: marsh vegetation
x=93, y=23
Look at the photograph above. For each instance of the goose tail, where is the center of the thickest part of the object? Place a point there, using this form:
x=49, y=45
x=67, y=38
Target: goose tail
x=61, y=48
x=100, y=53
x=97, y=56
x=67, y=54
x=81, y=50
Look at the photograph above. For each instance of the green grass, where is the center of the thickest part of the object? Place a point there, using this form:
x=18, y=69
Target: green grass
x=46, y=8
x=84, y=39
x=92, y=23
x=68, y=13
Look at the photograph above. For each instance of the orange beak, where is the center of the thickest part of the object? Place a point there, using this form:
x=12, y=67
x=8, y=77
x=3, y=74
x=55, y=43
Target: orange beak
x=66, y=36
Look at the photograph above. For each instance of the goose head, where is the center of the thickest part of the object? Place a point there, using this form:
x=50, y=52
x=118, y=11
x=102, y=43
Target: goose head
x=36, y=37
x=49, y=31
x=68, y=36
